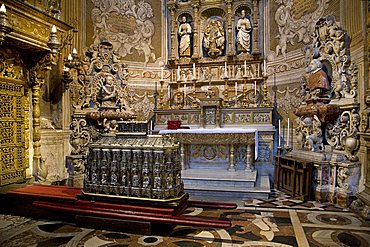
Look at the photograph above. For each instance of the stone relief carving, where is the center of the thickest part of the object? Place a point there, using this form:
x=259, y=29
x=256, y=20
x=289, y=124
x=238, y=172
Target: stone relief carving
x=329, y=93
x=214, y=38
x=332, y=43
x=101, y=85
x=287, y=99
x=343, y=134
x=309, y=133
x=289, y=27
x=101, y=79
x=136, y=34
x=365, y=115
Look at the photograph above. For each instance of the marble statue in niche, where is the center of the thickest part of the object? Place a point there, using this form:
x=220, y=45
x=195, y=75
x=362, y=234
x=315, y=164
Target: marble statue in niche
x=184, y=38
x=214, y=39
x=243, y=38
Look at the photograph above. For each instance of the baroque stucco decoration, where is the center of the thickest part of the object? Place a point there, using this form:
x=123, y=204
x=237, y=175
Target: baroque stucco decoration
x=291, y=28
x=328, y=118
x=329, y=90
x=136, y=34
x=101, y=84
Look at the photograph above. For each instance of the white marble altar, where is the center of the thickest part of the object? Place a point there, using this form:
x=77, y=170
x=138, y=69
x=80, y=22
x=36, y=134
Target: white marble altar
x=220, y=161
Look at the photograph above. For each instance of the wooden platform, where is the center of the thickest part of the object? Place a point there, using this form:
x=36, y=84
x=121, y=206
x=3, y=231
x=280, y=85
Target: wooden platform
x=134, y=216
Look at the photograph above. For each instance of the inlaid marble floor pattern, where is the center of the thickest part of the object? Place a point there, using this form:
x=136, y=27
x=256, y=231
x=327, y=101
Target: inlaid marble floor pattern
x=279, y=221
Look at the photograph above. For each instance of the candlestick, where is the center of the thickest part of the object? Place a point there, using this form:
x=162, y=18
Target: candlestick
x=225, y=69
x=288, y=135
x=264, y=67
x=236, y=89
x=162, y=73
x=161, y=95
x=178, y=73
x=279, y=133
x=53, y=29
x=194, y=102
x=245, y=68
x=2, y=8
x=185, y=90
x=255, y=88
x=194, y=72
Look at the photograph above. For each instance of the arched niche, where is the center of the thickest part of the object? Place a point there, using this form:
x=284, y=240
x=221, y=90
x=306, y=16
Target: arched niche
x=213, y=25
x=185, y=34
x=237, y=18
x=328, y=69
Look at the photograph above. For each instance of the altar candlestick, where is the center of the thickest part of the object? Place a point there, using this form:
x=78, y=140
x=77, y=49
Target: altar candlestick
x=53, y=29
x=162, y=73
x=178, y=73
x=279, y=133
x=245, y=68
x=264, y=67
x=169, y=91
x=184, y=90
x=288, y=135
x=255, y=88
x=194, y=72
x=236, y=89
x=225, y=69
x=2, y=8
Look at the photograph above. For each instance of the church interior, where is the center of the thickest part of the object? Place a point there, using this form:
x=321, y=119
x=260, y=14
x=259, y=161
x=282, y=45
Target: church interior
x=184, y=123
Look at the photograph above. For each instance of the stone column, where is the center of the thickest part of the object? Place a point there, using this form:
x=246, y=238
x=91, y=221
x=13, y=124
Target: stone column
x=255, y=17
x=229, y=29
x=333, y=183
x=182, y=156
x=232, y=158
x=195, y=30
x=40, y=172
x=362, y=204
x=172, y=8
x=322, y=171
x=249, y=156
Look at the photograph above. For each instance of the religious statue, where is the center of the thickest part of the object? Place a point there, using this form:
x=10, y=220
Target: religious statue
x=214, y=39
x=318, y=82
x=184, y=34
x=243, y=37
x=108, y=92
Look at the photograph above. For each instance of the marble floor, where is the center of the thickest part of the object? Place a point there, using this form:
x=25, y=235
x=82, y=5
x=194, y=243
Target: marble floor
x=279, y=221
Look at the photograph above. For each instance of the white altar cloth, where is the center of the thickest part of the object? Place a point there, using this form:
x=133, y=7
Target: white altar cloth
x=216, y=131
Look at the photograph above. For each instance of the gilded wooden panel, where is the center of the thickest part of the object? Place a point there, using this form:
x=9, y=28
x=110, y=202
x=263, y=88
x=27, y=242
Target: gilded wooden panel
x=12, y=135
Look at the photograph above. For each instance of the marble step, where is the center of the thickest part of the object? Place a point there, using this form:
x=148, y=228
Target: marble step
x=261, y=190
x=216, y=178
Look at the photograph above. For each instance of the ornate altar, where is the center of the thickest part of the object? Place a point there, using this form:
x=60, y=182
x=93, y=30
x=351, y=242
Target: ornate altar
x=217, y=88
x=328, y=118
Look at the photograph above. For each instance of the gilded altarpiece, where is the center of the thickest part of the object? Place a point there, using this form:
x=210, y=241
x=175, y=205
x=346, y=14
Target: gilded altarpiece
x=13, y=121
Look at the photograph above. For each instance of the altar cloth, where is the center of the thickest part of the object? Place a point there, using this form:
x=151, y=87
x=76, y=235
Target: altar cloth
x=216, y=131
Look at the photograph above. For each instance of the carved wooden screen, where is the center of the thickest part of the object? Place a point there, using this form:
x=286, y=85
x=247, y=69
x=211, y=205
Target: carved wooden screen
x=12, y=132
